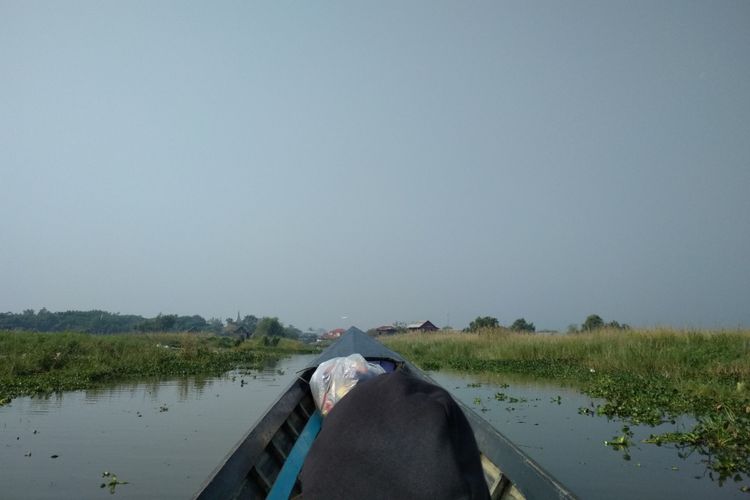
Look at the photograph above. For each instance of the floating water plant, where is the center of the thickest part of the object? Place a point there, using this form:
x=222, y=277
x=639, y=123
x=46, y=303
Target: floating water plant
x=645, y=377
x=722, y=438
x=111, y=482
x=622, y=442
x=46, y=363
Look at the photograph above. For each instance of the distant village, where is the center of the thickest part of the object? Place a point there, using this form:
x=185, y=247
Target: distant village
x=420, y=326
x=241, y=327
x=241, y=331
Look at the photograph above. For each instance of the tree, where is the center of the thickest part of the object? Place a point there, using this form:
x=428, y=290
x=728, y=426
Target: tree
x=161, y=323
x=193, y=323
x=250, y=323
x=520, y=325
x=593, y=322
x=614, y=325
x=215, y=325
x=269, y=327
x=483, y=322
x=292, y=332
x=165, y=322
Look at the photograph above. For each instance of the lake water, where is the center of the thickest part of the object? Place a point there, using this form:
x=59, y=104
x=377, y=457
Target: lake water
x=165, y=437
x=546, y=425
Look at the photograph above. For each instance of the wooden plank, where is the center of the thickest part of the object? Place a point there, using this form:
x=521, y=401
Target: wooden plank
x=284, y=484
x=516, y=476
x=227, y=479
x=497, y=482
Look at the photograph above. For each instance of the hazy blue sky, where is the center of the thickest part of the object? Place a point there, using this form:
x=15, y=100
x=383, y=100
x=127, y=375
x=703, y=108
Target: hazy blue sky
x=384, y=161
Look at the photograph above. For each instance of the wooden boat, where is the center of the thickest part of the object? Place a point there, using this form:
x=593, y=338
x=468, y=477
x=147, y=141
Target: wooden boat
x=266, y=461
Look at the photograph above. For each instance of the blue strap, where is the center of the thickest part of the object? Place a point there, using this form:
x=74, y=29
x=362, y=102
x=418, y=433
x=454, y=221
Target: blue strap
x=284, y=484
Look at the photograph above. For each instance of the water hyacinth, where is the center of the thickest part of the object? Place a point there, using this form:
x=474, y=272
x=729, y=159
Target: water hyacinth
x=644, y=376
x=44, y=363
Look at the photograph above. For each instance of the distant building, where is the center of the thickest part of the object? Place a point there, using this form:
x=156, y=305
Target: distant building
x=385, y=330
x=334, y=334
x=422, y=326
x=308, y=338
x=237, y=331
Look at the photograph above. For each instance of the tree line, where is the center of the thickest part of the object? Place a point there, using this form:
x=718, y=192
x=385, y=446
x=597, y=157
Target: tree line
x=592, y=322
x=595, y=322
x=104, y=322
x=519, y=325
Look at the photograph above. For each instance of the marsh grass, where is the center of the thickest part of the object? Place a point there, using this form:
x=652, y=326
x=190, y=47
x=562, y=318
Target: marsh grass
x=683, y=356
x=33, y=363
x=644, y=376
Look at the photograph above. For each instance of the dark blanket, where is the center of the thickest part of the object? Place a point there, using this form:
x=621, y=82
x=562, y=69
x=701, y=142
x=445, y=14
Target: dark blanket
x=394, y=437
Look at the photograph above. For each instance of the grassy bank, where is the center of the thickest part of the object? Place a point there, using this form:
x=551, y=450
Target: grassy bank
x=645, y=376
x=32, y=363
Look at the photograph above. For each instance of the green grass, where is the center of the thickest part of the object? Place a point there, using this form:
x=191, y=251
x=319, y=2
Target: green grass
x=32, y=363
x=707, y=365
x=644, y=376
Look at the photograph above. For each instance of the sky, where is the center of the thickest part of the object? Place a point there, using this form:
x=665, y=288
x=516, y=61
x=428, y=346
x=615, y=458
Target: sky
x=362, y=163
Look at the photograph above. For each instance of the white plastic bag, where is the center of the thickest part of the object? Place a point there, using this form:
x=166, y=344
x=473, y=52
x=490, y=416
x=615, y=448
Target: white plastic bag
x=335, y=377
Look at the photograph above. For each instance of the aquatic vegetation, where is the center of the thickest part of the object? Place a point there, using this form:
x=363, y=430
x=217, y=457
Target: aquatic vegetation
x=501, y=396
x=622, y=442
x=643, y=377
x=44, y=363
x=111, y=482
x=722, y=438
x=618, y=442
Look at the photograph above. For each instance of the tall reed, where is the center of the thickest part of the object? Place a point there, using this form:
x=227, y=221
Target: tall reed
x=48, y=362
x=683, y=355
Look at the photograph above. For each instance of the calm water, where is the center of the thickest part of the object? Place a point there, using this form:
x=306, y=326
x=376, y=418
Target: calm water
x=548, y=427
x=165, y=437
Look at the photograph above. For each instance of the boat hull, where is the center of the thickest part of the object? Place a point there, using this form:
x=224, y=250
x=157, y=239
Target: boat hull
x=251, y=468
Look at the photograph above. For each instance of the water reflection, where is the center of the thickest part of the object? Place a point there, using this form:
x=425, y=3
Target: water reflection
x=165, y=436
x=186, y=388
x=161, y=436
x=550, y=424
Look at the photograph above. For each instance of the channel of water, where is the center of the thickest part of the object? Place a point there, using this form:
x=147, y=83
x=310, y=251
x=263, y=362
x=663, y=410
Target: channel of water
x=546, y=424
x=164, y=437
